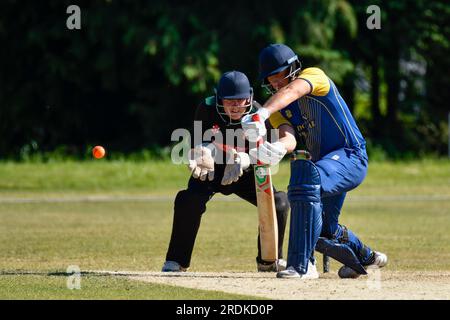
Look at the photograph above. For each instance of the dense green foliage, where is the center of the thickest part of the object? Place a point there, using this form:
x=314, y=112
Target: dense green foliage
x=136, y=69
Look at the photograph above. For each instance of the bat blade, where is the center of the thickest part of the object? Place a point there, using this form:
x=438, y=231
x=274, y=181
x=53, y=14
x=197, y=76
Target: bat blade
x=268, y=227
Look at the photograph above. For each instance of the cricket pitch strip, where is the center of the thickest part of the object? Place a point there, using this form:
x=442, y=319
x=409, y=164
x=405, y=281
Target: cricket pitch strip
x=377, y=285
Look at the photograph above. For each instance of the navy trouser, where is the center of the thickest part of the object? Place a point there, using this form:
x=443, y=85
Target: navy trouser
x=341, y=171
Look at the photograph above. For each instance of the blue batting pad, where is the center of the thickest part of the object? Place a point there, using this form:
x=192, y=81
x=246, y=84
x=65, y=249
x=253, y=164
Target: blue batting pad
x=306, y=213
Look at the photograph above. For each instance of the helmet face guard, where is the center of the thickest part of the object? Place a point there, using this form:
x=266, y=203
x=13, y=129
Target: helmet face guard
x=294, y=70
x=220, y=108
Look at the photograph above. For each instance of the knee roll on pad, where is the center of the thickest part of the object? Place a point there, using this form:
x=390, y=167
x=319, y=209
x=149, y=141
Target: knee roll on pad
x=304, y=184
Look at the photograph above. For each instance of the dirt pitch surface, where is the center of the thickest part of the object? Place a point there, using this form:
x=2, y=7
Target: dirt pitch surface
x=377, y=285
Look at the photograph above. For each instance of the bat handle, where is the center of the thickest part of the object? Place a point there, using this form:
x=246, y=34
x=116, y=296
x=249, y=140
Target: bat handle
x=256, y=118
x=260, y=141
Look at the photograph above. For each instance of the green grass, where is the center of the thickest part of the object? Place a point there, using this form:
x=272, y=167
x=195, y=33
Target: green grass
x=131, y=235
x=162, y=177
x=134, y=236
x=90, y=176
x=100, y=288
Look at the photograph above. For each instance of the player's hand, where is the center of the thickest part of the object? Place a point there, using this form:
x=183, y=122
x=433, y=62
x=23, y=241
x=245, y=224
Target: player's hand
x=269, y=153
x=233, y=171
x=201, y=163
x=253, y=130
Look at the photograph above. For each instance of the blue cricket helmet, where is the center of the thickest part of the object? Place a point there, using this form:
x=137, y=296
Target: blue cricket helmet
x=276, y=58
x=233, y=85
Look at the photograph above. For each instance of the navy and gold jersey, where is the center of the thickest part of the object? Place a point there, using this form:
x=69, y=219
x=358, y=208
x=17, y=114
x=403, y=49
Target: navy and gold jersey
x=321, y=118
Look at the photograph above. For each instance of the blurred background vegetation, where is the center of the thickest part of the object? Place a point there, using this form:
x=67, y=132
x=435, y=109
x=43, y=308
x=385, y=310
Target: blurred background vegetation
x=137, y=69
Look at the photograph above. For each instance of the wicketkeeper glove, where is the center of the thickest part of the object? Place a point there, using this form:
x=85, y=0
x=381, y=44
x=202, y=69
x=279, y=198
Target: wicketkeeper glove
x=201, y=162
x=233, y=171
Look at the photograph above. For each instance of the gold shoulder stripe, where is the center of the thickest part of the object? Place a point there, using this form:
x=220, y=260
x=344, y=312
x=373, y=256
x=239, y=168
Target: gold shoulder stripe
x=317, y=79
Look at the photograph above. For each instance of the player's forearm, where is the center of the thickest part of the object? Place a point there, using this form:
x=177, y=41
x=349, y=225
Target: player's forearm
x=286, y=95
x=281, y=99
x=254, y=127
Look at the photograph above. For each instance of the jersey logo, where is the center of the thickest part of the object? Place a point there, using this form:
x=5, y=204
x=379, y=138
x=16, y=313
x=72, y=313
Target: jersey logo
x=215, y=129
x=288, y=114
x=305, y=126
x=308, y=123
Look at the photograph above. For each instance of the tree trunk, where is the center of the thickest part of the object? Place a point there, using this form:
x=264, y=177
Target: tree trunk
x=392, y=75
x=348, y=91
x=375, y=92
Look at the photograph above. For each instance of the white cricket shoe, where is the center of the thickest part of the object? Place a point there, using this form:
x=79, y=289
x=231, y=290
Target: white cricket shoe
x=291, y=273
x=380, y=260
x=280, y=265
x=172, y=266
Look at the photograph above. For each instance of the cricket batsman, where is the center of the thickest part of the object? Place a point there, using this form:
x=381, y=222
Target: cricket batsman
x=306, y=105
x=233, y=99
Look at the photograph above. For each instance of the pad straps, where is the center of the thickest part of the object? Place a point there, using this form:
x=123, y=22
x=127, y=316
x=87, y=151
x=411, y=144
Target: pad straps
x=344, y=237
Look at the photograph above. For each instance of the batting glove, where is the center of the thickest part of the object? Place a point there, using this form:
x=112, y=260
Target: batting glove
x=253, y=130
x=269, y=153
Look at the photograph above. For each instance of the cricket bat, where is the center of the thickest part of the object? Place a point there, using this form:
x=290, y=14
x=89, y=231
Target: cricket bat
x=268, y=226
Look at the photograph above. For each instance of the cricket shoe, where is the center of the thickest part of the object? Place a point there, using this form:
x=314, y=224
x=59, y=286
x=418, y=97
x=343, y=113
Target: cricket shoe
x=379, y=260
x=172, y=266
x=291, y=273
x=276, y=266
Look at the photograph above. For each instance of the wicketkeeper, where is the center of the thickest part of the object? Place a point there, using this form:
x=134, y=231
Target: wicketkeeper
x=307, y=105
x=233, y=99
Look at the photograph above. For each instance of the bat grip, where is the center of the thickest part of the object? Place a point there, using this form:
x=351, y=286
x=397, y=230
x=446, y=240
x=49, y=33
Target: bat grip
x=260, y=141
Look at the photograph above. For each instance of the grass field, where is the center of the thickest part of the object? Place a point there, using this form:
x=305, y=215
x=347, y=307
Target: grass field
x=402, y=209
